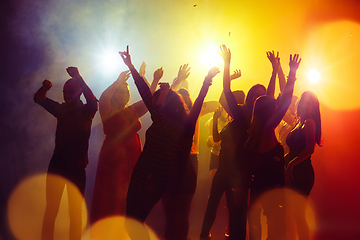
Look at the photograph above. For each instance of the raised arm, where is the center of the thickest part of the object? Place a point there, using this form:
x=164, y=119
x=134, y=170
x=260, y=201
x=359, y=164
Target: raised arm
x=209, y=107
x=286, y=97
x=195, y=110
x=234, y=110
x=88, y=94
x=275, y=62
x=142, y=71
x=183, y=74
x=41, y=93
x=281, y=76
x=140, y=106
x=105, y=107
x=141, y=85
x=158, y=74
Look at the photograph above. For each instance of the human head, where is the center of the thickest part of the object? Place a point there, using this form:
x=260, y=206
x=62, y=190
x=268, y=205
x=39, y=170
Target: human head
x=239, y=98
x=186, y=97
x=72, y=91
x=174, y=107
x=308, y=107
x=121, y=97
x=255, y=91
x=264, y=108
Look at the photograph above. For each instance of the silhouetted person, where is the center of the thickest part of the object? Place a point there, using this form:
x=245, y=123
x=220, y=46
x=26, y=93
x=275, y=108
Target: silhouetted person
x=168, y=139
x=299, y=171
x=237, y=182
x=222, y=179
x=289, y=120
x=265, y=153
x=70, y=156
x=121, y=147
x=179, y=193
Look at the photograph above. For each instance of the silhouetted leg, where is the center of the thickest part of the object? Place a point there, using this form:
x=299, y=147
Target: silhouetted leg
x=137, y=209
x=75, y=195
x=254, y=215
x=216, y=192
x=275, y=212
x=54, y=191
x=177, y=209
x=236, y=199
x=298, y=207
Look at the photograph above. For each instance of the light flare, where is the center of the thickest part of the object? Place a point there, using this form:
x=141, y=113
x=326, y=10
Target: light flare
x=313, y=75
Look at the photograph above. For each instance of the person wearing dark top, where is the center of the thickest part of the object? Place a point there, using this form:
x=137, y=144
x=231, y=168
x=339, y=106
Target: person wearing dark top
x=241, y=115
x=169, y=136
x=70, y=156
x=265, y=153
x=299, y=171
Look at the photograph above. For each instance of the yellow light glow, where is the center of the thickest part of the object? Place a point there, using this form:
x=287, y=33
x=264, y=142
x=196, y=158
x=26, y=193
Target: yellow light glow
x=313, y=75
x=112, y=228
x=26, y=208
x=211, y=58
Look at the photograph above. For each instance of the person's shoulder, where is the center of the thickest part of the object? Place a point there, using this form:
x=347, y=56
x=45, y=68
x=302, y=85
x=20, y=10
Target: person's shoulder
x=309, y=123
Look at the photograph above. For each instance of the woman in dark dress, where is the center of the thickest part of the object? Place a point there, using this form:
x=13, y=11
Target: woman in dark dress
x=266, y=155
x=299, y=171
x=168, y=142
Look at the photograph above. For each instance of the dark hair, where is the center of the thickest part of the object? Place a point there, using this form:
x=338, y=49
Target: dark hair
x=186, y=97
x=250, y=95
x=264, y=108
x=174, y=107
x=316, y=116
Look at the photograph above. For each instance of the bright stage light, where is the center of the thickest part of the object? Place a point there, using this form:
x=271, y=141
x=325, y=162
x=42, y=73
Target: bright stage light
x=313, y=75
x=110, y=61
x=211, y=58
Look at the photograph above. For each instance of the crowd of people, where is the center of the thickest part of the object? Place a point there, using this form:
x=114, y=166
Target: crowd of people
x=247, y=135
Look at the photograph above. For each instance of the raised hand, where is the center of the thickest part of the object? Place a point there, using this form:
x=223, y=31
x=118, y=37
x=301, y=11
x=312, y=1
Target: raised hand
x=73, y=72
x=212, y=73
x=158, y=74
x=124, y=76
x=236, y=74
x=184, y=72
x=47, y=84
x=275, y=60
x=142, y=69
x=294, y=62
x=126, y=57
x=225, y=53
